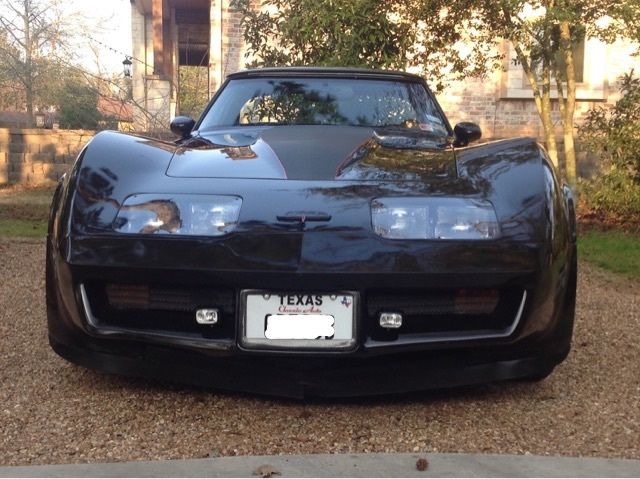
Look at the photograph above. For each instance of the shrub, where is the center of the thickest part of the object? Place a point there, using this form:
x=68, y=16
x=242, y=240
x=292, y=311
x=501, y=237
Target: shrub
x=614, y=134
x=614, y=192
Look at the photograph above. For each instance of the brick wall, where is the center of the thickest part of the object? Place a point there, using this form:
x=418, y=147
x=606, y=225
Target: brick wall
x=476, y=100
x=503, y=106
x=37, y=156
x=234, y=47
x=232, y=40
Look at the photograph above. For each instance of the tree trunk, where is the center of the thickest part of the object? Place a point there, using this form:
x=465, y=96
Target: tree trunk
x=29, y=99
x=549, y=130
x=545, y=110
x=541, y=96
x=28, y=61
x=569, y=152
x=570, y=103
x=542, y=100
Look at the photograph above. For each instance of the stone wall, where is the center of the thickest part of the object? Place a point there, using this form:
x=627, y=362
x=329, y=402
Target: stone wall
x=141, y=35
x=37, y=156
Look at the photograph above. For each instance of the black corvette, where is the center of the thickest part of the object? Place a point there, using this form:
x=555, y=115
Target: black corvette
x=317, y=232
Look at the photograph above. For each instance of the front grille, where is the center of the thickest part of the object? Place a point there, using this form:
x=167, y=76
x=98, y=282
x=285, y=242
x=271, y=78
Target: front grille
x=144, y=297
x=431, y=315
x=449, y=312
x=159, y=308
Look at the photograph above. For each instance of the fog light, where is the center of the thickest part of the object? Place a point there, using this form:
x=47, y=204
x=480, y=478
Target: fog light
x=207, y=316
x=390, y=320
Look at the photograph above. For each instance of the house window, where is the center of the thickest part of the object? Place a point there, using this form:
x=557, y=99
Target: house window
x=590, y=57
x=578, y=62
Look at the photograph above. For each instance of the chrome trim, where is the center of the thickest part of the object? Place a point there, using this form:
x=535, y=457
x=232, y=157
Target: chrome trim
x=95, y=329
x=518, y=315
x=175, y=339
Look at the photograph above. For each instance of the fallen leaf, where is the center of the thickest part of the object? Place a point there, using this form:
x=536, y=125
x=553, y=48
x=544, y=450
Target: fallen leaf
x=266, y=470
x=422, y=464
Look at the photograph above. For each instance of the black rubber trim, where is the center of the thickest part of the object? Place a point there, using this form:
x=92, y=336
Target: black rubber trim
x=265, y=377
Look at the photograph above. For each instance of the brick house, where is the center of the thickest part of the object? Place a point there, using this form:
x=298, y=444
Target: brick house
x=168, y=34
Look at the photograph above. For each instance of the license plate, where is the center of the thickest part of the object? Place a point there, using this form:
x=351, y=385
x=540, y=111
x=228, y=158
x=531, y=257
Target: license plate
x=298, y=321
x=300, y=326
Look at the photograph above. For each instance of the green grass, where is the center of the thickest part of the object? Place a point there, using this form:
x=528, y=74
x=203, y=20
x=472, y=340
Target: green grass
x=612, y=250
x=14, y=194
x=24, y=211
x=23, y=228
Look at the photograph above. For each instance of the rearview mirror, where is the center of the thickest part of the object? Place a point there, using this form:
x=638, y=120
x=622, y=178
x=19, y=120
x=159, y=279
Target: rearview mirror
x=465, y=133
x=182, y=126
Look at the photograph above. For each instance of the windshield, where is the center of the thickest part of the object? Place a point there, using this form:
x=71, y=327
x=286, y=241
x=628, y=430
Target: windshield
x=325, y=101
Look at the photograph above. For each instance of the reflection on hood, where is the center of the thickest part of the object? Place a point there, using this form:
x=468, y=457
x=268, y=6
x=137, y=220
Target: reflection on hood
x=316, y=152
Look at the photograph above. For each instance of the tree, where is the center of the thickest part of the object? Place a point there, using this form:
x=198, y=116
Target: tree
x=79, y=105
x=192, y=92
x=10, y=97
x=429, y=34
x=356, y=33
x=544, y=35
x=34, y=31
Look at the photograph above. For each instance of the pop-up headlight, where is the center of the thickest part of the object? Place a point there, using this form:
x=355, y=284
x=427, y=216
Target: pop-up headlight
x=197, y=215
x=434, y=218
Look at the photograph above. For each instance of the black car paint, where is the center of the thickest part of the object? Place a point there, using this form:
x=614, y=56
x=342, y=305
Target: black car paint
x=536, y=252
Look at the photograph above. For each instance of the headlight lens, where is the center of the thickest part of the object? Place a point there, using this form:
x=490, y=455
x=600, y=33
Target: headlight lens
x=434, y=218
x=197, y=215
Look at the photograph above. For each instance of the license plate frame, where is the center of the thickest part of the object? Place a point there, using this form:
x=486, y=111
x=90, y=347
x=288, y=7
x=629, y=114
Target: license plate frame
x=257, y=305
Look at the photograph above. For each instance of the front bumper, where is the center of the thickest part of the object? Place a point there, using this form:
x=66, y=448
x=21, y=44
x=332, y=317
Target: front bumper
x=284, y=377
x=537, y=339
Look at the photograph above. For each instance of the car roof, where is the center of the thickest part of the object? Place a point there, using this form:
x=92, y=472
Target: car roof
x=342, y=72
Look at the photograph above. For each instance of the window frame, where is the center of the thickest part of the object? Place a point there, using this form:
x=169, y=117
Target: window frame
x=515, y=85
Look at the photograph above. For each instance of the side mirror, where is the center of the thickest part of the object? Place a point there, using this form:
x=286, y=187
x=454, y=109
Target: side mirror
x=465, y=133
x=182, y=126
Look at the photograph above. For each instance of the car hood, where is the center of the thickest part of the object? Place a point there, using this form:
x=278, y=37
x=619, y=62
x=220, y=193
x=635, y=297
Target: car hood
x=315, y=152
x=115, y=166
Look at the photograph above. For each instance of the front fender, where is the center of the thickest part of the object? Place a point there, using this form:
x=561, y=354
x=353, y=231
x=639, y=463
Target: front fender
x=111, y=167
x=512, y=174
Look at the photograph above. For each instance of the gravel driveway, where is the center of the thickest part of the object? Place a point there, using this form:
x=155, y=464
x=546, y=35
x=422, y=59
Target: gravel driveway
x=55, y=412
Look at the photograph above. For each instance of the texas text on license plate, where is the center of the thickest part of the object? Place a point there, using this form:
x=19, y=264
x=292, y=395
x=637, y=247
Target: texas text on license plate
x=298, y=320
